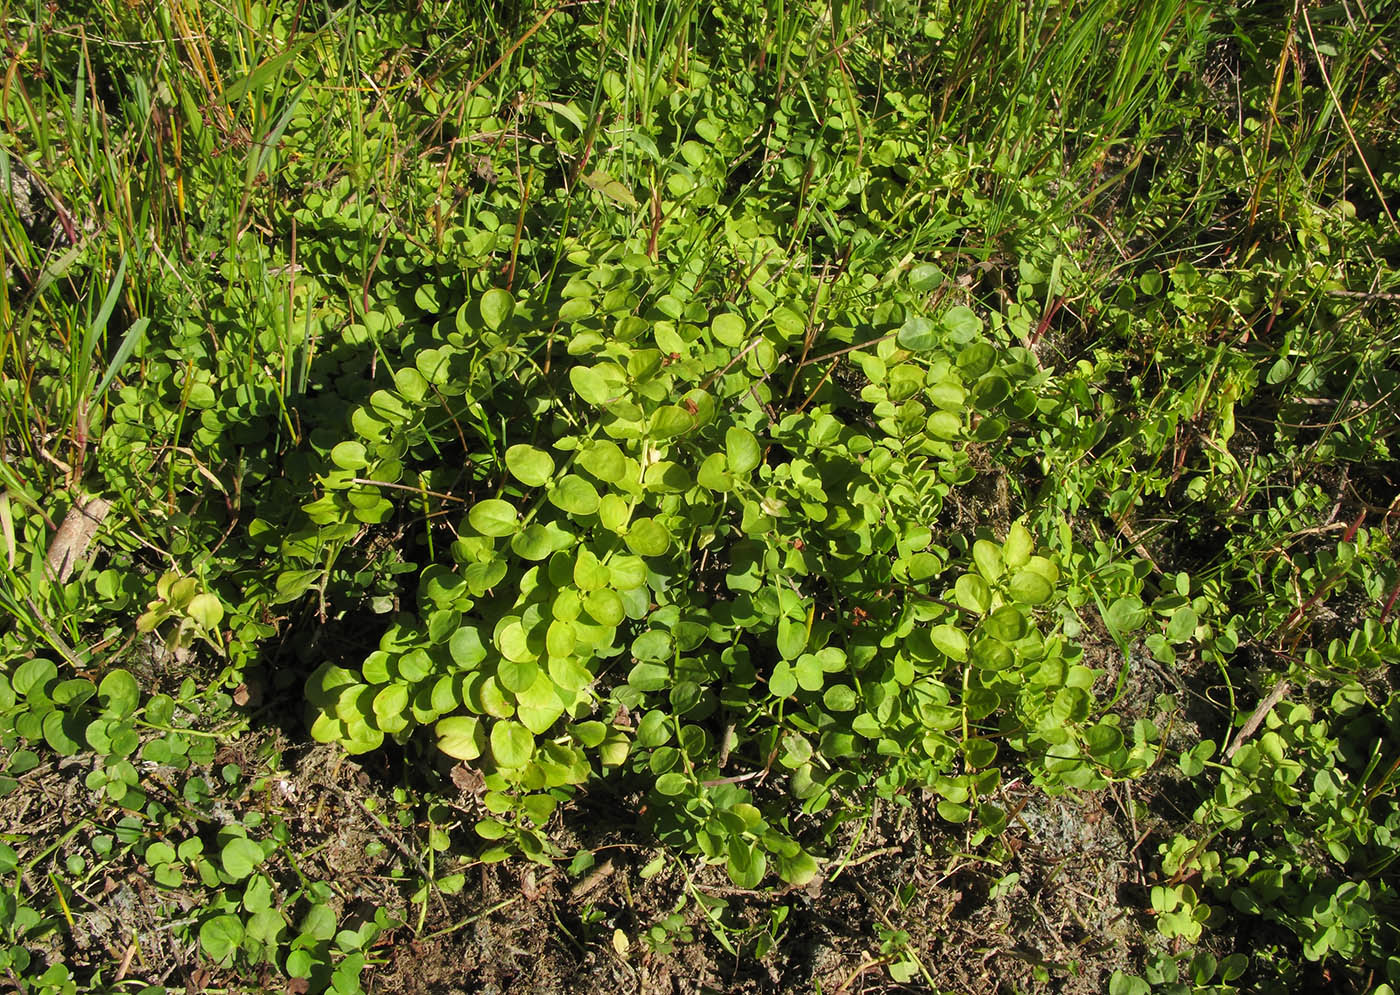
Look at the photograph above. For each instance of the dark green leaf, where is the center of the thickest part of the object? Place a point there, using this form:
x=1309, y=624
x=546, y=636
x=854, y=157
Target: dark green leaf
x=917, y=334
x=118, y=693
x=497, y=305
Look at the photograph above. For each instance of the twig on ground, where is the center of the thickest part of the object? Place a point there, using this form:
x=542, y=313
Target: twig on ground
x=1247, y=730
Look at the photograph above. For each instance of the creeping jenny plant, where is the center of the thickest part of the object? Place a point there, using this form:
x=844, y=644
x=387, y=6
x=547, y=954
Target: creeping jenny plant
x=707, y=553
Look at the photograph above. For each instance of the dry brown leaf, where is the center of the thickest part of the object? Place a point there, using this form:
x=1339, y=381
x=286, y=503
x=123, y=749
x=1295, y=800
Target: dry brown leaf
x=468, y=779
x=249, y=693
x=70, y=544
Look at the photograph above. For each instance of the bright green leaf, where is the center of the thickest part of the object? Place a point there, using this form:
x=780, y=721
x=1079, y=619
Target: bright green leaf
x=460, y=737
x=741, y=450
x=512, y=744
x=529, y=465
x=574, y=495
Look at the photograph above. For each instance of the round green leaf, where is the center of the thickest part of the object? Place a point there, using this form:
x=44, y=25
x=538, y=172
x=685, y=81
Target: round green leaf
x=990, y=392
x=73, y=692
x=1103, y=739
x=973, y=594
x=992, y=654
x=614, y=513
x=1182, y=625
x=672, y=784
x=671, y=420
x=411, y=384
x=99, y=735
x=239, y=856
x=460, y=737
x=728, y=329
x=206, y=610
x=494, y=517
x=649, y=676
x=481, y=577
x=987, y=556
x=515, y=676
x=37, y=673
x=713, y=473
x=590, y=734
x=792, y=637
x=60, y=734
x=497, y=306
x=512, y=745
x=350, y=456
x=962, y=323
x=1006, y=623
x=604, y=606
x=783, y=682
x=925, y=277
x=947, y=395
x=220, y=937
x=1019, y=545
x=319, y=922
x=531, y=466
x=746, y=864
x=944, y=425
x=950, y=640
x=798, y=869
x=741, y=450
x=118, y=694
x=917, y=334
x=575, y=495
x=389, y=407
x=539, y=705
x=465, y=647
x=1030, y=588
x=789, y=322
x=647, y=537
x=414, y=665
x=1125, y=614
x=626, y=573
x=375, y=668
x=839, y=698
x=589, y=572
x=560, y=639
x=954, y=811
x=390, y=704
x=589, y=384
x=534, y=543
x=604, y=460
x=513, y=643
x=979, y=752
